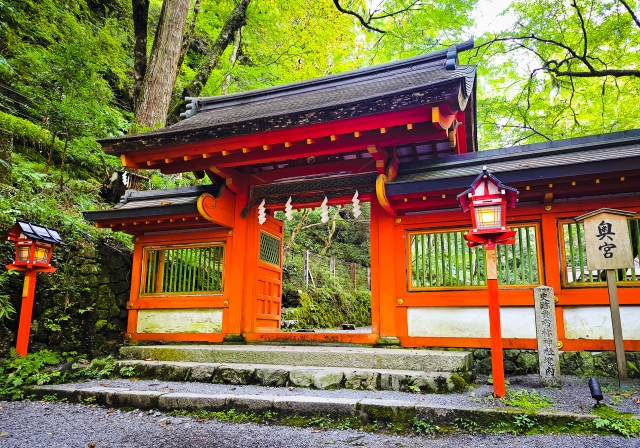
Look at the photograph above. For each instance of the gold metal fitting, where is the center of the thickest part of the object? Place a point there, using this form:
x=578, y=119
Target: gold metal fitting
x=547, y=208
x=400, y=301
x=130, y=304
x=560, y=344
x=230, y=232
x=556, y=299
x=225, y=303
x=128, y=336
x=398, y=220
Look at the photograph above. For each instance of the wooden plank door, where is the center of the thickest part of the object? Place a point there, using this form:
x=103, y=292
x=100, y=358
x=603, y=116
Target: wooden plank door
x=269, y=275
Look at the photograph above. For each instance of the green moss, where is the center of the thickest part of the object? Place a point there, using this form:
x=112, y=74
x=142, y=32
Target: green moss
x=100, y=324
x=459, y=384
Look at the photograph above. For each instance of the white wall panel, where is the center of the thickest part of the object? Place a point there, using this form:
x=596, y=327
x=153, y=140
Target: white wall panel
x=469, y=322
x=594, y=322
x=205, y=320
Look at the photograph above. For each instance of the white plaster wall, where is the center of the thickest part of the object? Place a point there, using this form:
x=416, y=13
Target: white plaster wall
x=594, y=322
x=469, y=322
x=204, y=320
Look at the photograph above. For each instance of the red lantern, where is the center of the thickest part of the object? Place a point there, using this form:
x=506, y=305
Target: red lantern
x=488, y=199
x=34, y=247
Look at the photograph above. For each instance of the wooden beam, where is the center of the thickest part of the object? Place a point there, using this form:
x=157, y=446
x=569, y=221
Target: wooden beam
x=233, y=178
x=440, y=119
x=354, y=166
x=380, y=155
x=347, y=143
x=346, y=126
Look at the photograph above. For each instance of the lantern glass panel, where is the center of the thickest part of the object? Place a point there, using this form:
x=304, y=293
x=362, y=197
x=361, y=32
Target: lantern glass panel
x=23, y=253
x=42, y=255
x=488, y=217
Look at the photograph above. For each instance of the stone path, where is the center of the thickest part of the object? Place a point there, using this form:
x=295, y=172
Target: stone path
x=63, y=425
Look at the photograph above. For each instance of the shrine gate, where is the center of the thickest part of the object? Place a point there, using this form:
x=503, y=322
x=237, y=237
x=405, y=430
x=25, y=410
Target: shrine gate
x=208, y=267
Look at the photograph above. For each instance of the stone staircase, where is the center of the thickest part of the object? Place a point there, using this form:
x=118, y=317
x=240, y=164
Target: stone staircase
x=320, y=367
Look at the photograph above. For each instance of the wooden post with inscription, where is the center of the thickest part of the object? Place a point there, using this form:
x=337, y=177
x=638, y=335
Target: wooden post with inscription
x=609, y=248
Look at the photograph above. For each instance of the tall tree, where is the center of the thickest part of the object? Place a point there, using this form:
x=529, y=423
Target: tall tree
x=562, y=69
x=140, y=13
x=155, y=92
x=236, y=20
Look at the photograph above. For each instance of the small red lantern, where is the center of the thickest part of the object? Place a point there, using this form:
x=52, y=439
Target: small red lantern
x=488, y=199
x=34, y=247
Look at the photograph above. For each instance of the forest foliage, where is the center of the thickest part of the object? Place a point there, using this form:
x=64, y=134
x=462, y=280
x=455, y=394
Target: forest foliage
x=548, y=69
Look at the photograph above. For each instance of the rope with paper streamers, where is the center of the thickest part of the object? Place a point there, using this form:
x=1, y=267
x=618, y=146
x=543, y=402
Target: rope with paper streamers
x=300, y=201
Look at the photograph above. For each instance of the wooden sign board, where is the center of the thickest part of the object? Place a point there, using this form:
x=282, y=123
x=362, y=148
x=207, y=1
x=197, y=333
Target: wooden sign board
x=607, y=239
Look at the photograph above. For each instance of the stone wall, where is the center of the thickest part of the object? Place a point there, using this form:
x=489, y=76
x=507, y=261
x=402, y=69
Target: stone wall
x=571, y=363
x=81, y=307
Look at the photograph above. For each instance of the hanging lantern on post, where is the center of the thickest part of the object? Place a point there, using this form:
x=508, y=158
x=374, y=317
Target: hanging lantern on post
x=488, y=199
x=34, y=248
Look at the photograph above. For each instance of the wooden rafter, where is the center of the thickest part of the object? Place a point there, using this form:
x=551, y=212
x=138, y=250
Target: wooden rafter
x=396, y=135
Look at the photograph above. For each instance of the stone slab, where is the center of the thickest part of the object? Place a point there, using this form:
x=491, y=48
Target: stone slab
x=346, y=357
x=250, y=403
x=315, y=406
x=192, y=402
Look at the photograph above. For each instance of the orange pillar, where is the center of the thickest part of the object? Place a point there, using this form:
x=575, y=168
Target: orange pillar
x=24, y=325
x=234, y=282
x=495, y=330
x=385, y=261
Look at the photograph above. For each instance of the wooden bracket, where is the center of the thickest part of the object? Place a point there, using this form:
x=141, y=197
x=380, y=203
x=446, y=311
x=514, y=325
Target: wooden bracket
x=233, y=178
x=381, y=156
x=382, y=194
x=440, y=119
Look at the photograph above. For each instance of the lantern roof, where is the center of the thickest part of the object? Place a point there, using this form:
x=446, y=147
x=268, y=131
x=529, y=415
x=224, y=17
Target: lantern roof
x=35, y=232
x=486, y=176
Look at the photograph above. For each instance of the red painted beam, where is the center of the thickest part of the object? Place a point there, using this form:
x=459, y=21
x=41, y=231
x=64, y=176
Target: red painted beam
x=346, y=143
x=353, y=166
x=300, y=133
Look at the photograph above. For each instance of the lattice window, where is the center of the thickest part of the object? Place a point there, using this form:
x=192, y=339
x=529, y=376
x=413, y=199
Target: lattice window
x=183, y=270
x=443, y=260
x=575, y=257
x=269, y=248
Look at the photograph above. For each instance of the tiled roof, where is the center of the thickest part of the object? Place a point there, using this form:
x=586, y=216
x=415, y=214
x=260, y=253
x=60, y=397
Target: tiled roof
x=280, y=103
x=40, y=233
x=139, y=204
x=558, y=158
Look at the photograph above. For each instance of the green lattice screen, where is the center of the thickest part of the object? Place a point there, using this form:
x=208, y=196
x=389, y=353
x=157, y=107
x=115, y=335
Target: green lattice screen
x=269, y=248
x=443, y=259
x=575, y=254
x=195, y=270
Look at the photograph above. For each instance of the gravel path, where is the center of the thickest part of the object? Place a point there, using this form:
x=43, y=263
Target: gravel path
x=63, y=425
x=573, y=397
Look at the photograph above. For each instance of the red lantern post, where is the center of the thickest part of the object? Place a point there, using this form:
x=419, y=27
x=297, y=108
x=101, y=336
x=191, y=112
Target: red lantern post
x=488, y=199
x=34, y=247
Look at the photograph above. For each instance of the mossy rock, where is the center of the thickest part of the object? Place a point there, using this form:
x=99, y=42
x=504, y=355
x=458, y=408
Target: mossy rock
x=527, y=362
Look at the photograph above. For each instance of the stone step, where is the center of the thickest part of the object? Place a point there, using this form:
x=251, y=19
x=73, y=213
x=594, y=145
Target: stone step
x=344, y=357
x=299, y=376
x=363, y=411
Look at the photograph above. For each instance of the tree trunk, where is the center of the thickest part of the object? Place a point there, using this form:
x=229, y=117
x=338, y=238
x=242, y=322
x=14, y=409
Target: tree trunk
x=6, y=149
x=188, y=36
x=332, y=230
x=236, y=20
x=53, y=144
x=226, y=82
x=140, y=24
x=155, y=94
x=298, y=227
